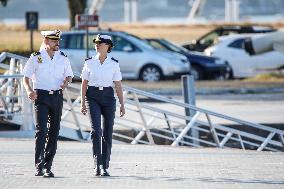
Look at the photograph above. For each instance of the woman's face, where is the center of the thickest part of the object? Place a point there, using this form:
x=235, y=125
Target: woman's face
x=102, y=47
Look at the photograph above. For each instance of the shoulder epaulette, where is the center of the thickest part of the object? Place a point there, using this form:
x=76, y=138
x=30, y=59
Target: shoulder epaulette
x=88, y=58
x=114, y=59
x=63, y=54
x=36, y=53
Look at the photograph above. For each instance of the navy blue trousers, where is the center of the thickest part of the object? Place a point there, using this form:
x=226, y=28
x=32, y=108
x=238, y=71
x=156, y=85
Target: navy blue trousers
x=101, y=104
x=48, y=111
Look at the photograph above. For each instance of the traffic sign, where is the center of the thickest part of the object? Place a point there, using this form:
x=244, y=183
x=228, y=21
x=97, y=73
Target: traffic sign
x=31, y=20
x=85, y=20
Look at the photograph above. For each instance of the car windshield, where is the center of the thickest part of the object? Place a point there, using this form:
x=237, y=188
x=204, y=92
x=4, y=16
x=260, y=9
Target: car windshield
x=173, y=47
x=209, y=38
x=139, y=42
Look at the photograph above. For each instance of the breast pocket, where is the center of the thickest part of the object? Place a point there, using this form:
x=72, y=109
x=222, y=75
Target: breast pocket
x=59, y=70
x=42, y=71
x=43, y=67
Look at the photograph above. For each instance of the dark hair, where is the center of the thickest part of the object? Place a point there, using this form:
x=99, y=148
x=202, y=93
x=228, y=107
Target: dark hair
x=109, y=48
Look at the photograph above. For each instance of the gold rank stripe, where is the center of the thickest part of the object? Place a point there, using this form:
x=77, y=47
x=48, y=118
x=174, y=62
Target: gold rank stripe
x=52, y=37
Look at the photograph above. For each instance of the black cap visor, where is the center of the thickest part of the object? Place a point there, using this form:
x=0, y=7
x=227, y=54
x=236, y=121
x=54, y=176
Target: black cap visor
x=99, y=41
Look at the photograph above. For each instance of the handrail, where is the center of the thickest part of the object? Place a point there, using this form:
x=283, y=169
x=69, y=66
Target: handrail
x=165, y=99
x=5, y=55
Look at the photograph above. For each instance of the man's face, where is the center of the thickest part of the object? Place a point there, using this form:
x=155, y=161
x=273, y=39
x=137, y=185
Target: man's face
x=52, y=44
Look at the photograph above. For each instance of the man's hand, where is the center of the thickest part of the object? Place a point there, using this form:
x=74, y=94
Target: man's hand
x=32, y=95
x=83, y=108
x=122, y=111
x=64, y=84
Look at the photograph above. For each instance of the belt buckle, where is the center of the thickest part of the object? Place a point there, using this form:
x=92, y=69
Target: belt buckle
x=51, y=92
x=101, y=88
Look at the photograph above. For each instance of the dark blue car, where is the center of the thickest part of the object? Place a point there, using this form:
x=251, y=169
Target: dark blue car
x=202, y=67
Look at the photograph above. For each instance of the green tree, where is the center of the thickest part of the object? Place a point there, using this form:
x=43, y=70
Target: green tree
x=74, y=6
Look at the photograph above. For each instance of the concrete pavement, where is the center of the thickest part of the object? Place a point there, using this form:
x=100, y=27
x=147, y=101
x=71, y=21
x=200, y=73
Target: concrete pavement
x=141, y=166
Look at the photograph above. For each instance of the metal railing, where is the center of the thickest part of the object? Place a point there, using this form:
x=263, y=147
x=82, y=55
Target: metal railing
x=170, y=113
x=16, y=108
x=154, y=119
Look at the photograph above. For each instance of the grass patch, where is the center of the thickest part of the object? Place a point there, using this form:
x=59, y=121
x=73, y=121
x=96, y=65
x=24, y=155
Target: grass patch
x=266, y=77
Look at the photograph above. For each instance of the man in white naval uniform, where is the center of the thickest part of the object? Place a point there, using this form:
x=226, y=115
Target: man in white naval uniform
x=50, y=72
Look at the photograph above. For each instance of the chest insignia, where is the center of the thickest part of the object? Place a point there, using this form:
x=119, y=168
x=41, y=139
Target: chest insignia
x=39, y=59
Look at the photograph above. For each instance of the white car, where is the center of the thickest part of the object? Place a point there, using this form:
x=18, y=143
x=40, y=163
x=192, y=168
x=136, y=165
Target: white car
x=231, y=48
x=137, y=59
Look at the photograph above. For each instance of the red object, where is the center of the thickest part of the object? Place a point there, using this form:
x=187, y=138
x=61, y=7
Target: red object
x=84, y=20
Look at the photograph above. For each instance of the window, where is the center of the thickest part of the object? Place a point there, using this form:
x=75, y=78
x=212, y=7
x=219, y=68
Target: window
x=157, y=45
x=229, y=32
x=209, y=39
x=75, y=41
x=90, y=40
x=238, y=44
x=63, y=42
x=121, y=44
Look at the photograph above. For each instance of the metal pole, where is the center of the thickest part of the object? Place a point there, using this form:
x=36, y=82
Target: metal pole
x=32, y=40
x=126, y=11
x=228, y=9
x=236, y=11
x=28, y=121
x=12, y=70
x=87, y=42
x=134, y=11
x=189, y=98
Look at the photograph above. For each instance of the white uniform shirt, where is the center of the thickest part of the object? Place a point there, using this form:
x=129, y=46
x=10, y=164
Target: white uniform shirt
x=101, y=75
x=46, y=73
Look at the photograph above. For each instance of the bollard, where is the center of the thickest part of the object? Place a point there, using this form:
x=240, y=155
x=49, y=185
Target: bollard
x=28, y=121
x=9, y=92
x=189, y=98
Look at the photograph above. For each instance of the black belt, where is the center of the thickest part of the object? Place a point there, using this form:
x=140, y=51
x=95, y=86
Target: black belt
x=100, y=88
x=52, y=92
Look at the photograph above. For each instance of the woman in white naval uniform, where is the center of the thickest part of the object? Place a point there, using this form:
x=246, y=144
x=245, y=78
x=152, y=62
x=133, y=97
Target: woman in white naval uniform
x=99, y=74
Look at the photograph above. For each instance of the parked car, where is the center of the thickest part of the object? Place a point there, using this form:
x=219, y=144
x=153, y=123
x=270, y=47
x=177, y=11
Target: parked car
x=202, y=67
x=209, y=38
x=137, y=59
x=231, y=48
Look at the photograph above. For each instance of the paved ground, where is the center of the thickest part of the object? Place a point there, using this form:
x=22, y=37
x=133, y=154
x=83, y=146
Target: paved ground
x=140, y=166
x=258, y=108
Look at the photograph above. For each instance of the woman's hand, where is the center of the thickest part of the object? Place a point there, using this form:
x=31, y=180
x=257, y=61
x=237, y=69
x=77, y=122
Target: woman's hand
x=83, y=108
x=122, y=111
x=32, y=95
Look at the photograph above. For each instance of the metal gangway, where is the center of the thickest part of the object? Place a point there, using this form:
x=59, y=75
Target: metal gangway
x=150, y=119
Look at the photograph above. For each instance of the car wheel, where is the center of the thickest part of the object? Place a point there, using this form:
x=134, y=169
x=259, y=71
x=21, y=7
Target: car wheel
x=221, y=78
x=196, y=72
x=231, y=75
x=151, y=74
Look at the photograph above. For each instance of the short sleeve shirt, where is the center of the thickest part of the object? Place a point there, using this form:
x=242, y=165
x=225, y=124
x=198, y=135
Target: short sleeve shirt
x=46, y=73
x=101, y=75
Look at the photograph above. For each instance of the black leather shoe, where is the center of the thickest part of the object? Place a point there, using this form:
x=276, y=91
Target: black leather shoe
x=38, y=172
x=104, y=173
x=48, y=174
x=97, y=172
